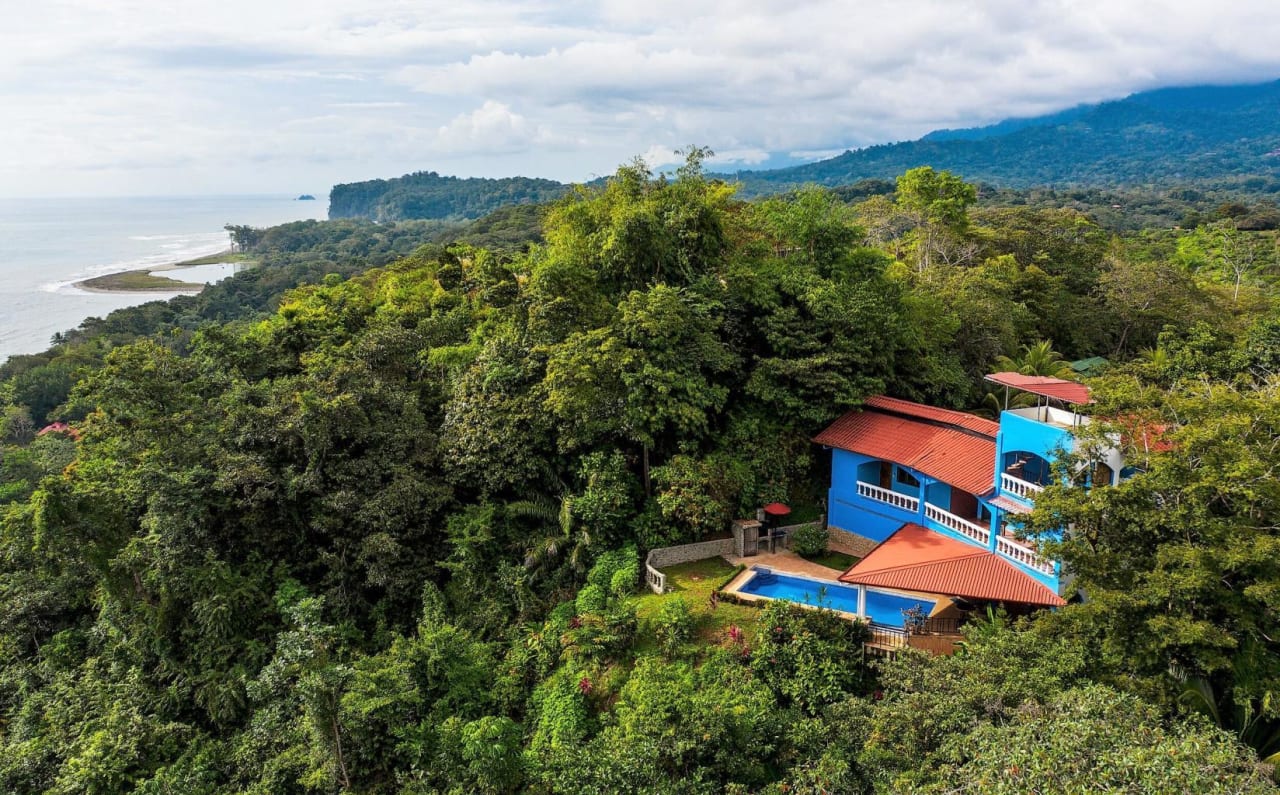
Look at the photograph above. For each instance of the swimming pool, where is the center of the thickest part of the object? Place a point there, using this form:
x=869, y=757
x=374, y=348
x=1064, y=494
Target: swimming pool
x=882, y=608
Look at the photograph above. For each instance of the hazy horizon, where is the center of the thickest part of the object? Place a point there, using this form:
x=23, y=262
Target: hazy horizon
x=135, y=100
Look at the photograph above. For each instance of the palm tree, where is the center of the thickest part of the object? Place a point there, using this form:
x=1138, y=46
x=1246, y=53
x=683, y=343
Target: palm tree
x=993, y=404
x=567, y=538
x=1253, y=720
x=1157, y=357
x=1038, y=359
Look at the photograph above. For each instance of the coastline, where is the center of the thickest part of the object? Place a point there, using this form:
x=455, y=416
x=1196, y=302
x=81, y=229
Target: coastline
x=145, y=281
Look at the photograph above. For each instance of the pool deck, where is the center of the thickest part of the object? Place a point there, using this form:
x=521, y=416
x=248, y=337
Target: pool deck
x=788, y=562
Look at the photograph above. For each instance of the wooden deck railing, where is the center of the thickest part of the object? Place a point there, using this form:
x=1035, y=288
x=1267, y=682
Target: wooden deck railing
x=942, y=626
x=886, y=640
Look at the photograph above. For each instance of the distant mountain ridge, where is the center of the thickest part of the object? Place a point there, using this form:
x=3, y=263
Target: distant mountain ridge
x=1226, y=134
x=1219, y=136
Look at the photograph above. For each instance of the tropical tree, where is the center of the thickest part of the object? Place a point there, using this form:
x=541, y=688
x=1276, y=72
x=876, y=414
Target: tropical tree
x=566, y=537
x=1036, y=359
x=1178, y=560
x=937, y=202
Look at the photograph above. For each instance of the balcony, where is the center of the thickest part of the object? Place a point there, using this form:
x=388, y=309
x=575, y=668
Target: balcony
x=968, y=529
x=889, y=497
x=1022, y=489
x=1021, y=553
x=975, y=532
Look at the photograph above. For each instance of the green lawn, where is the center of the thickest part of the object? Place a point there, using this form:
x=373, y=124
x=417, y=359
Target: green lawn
x=833, y=560
x=694, y=582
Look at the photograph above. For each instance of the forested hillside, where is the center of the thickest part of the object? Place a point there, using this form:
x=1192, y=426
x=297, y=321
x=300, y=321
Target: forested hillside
x=383, y=533
x=428, y=195
x=1209, y=136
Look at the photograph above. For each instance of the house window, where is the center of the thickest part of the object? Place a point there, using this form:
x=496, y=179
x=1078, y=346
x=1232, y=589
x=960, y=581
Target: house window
x=907, y=479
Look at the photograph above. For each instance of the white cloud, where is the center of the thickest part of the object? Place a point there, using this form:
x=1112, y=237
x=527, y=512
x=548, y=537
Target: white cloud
x=658, y=156
x=139, y=96
x=492, y=127
x=815, y=154
x=750, y=156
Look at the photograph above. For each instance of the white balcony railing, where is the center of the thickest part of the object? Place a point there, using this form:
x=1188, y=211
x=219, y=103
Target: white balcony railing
x=1019, y=487
x=889, y=497
x=964, y=527
x=1022, y=554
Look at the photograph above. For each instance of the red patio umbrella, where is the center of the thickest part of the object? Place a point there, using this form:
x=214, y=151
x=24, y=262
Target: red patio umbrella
x=776, y=509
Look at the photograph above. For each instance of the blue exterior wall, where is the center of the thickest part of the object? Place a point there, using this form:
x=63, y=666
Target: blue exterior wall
x=1020, y=434
x=903, y=488
x=847, y=510
x=939, y=494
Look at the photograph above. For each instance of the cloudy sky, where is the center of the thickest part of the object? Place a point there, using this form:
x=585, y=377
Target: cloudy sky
x=124, y=97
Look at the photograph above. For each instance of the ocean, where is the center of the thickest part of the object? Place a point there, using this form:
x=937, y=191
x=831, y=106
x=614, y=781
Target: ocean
x=47, y=245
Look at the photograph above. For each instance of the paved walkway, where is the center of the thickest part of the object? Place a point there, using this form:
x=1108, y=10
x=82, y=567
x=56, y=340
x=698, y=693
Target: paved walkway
x=787, y=561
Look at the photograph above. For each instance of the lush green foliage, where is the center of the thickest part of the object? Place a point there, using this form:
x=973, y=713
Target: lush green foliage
x=809, y=541
x=383, y=533
x=426, y=195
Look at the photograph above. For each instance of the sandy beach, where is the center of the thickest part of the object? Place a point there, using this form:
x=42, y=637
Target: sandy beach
x=143, y=281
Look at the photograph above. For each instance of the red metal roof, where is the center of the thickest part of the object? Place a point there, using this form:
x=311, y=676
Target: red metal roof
x=60, y=427
x=915, y=558
x=959, y=418
x=1056, y=388
x=1149, y=436
x=962, y=455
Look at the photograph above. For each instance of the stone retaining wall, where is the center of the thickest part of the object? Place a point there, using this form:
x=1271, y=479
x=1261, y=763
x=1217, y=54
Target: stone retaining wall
x=849, y=543
x=687, y=553
x=660, y=558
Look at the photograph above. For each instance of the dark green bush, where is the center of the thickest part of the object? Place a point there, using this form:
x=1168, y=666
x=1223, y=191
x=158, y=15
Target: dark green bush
x=810, y=540
x=674, y=626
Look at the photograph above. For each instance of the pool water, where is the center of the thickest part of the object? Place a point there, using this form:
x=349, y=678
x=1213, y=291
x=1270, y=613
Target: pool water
x=882, y=608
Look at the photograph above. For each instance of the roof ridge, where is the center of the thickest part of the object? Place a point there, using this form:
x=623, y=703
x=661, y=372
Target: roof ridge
x=974, y=553
x=962, y=570
x=961, y=421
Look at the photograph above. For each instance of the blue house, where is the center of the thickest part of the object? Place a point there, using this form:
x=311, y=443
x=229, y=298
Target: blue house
x=905, y=474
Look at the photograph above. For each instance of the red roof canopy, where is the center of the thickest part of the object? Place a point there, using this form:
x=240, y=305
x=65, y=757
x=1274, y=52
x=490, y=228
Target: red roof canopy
x=956, y=448
x=776, y=509
x=915, y=558
x=960, y=419
x=1145, y=434
x=1009, y=505
x=1056, y=388
x=60, y=427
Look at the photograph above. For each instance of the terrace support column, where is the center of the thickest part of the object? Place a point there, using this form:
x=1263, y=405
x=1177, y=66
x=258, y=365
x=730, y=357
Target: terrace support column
x=862, y=602
x=925, y=483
